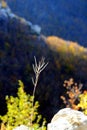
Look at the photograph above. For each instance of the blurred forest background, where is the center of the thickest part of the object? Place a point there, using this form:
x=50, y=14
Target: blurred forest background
x=18, y=46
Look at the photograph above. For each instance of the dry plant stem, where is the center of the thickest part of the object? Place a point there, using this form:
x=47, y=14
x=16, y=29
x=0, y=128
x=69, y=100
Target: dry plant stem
x=37, y=68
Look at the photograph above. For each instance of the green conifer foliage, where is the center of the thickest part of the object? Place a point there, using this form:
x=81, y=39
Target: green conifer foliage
x=20, y=111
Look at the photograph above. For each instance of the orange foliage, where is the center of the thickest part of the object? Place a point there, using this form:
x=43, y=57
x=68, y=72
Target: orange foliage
x=72, y=94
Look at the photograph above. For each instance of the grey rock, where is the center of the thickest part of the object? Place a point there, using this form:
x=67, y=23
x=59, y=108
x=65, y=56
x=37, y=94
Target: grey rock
x=68, y=119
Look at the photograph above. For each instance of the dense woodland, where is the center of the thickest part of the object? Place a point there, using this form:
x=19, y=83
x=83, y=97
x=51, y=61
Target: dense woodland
x=17, y=58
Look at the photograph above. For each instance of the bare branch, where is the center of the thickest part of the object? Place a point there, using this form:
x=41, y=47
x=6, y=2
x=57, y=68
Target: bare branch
x=38, y=68
x=32, y=80
x=43, y=67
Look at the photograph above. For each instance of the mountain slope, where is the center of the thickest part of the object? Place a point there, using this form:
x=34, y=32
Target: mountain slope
x=60, y=45
x=18, y=46
x=11, y=23
x=65, y=19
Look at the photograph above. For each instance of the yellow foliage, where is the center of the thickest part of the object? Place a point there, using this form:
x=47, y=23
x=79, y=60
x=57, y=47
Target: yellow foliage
x=4, y=4
x=72, y=48
x=81, y=49
x=19, y=111
x=66, y=47
x=56, y=43
x=83, y=102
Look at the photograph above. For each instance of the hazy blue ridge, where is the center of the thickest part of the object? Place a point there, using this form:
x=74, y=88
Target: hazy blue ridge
x=66, y=19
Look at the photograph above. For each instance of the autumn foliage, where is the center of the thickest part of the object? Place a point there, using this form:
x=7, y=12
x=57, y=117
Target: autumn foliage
x=68, y=47
x=73, y=90
x=74, y=97
x=19, y=111
x=83, y=101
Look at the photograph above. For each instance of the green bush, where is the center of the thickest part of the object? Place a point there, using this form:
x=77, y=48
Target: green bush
x=22, y=110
